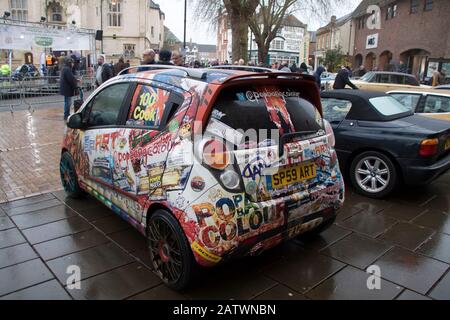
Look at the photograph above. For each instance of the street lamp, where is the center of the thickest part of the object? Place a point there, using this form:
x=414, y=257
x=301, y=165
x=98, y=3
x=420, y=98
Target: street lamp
x=185, y=18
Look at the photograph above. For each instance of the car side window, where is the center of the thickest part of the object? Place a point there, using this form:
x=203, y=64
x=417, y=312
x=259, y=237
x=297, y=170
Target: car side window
x=106, y=105
x=148, y=106
x=396, y=79
x=411, y=81
x=408, y=100
x=335, y=110
x=436, y=104
x=383, y=78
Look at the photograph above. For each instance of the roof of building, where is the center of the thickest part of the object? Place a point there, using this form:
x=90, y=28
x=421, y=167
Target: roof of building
x=292, y=21
x=335, y=23
x=154, y=5
x=209, y=48
x=170, y=36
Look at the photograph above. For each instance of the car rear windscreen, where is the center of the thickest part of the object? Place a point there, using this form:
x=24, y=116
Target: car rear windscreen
x=267, y=107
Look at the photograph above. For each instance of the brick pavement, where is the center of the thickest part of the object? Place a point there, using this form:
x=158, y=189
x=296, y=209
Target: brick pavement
x=407, y=236
x=29, y=152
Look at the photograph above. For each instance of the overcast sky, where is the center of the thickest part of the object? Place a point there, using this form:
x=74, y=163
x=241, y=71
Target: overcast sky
x=202, y=33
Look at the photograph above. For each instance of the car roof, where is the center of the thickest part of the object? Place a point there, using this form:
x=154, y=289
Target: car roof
x=243, y=68
x=349, y=94
x=173, y=74
x=391, y=72
x=361, y=108
x=431, y=92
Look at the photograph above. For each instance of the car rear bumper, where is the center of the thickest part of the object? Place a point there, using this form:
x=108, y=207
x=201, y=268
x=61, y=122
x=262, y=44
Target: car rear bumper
x=422, y=175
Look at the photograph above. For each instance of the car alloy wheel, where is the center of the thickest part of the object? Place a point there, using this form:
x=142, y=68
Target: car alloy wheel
x=170, y=252
x=68, y=175
x=372, y=174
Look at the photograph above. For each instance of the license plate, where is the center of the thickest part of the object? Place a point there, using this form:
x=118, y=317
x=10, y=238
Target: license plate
x=447, y=144
x=291, y=175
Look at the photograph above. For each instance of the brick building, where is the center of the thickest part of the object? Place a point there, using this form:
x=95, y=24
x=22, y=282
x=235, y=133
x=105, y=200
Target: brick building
x=416, y=32
x=338, y=33
x=129, y=27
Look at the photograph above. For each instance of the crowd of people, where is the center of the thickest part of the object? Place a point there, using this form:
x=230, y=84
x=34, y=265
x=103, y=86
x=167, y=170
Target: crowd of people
x=69, y=65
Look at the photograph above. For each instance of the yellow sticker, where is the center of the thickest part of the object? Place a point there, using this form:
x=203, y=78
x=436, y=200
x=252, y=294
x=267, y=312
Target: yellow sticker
x=204, y=253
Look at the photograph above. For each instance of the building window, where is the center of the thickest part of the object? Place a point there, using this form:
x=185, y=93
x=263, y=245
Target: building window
x=391, y=12
x=428, y=5
x=152, y=31
x=115, y=13
x=19, y=9
x=414, y=6
x=129, y=50
x=277, y=45
x=56, y=12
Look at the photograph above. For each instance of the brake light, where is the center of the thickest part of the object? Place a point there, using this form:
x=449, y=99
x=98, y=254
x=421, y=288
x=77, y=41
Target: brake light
x=215, y=154
x=330, y=134
x=429, y=147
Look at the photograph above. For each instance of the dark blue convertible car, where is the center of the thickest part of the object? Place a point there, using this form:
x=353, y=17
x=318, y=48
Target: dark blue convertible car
x=381, y=143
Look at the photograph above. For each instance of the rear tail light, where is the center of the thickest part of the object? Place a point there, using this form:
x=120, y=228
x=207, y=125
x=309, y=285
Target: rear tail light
x=330, y=134
x=429, y=147
x=215, y=154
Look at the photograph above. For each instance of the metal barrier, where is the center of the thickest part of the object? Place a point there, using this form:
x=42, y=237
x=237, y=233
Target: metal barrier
x=32, y=92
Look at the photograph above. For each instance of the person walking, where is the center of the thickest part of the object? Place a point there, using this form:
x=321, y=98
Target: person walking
x=361, y=71
x=119, y=66
x=343, y=79
x=285, y=67
x=438, y=78
x=67, y=85
x=148, y=58
x=303, y=68
x=164, y=57
x=318, y=76
x=104, y=71
x=177, y=59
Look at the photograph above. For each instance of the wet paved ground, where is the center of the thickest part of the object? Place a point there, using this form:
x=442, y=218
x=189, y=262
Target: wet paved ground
x=407, y=236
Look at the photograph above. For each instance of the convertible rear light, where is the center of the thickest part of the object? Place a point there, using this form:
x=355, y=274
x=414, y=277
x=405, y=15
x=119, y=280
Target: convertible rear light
x=330, y=134
x=215, y=154
x=429, y=147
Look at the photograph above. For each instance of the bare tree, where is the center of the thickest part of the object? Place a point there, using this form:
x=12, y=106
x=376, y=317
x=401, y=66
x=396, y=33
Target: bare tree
x=238, y=11
x=271, y=15
x=263, y=17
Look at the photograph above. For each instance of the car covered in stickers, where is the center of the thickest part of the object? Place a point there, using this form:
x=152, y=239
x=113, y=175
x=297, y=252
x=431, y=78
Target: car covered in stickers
x=207, y=164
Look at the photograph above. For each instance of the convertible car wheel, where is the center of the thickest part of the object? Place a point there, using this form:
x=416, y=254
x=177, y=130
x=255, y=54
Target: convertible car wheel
x=373, y=174
x=69, y=176
x=170, y=252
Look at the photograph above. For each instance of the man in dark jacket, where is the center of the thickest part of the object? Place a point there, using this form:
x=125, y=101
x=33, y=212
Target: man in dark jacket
x=164, y=57
x=104, y=71
x=318, y=76
x=67, y=86
x=119, y=66
x=343, y=79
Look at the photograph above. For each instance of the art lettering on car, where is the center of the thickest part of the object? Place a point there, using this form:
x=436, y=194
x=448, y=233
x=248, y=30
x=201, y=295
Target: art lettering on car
x=266, y=190
x=147, y=106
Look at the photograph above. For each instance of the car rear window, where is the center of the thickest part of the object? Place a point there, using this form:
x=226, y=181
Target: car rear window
x=269, y=107
x=388, y=106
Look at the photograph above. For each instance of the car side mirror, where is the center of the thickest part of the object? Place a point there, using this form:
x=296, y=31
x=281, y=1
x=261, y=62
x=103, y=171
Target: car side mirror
x=75, y=121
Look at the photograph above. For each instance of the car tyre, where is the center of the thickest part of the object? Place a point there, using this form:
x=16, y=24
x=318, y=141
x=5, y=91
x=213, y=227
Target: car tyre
x=373, y=174
x=170, y=252
x=69, y=176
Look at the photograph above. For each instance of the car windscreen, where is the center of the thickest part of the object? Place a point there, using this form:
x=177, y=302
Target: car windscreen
x=267, y=107
x=366, y=77
x=388, y=106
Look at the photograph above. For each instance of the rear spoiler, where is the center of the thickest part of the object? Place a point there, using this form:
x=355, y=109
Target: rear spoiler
x=273, y=75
